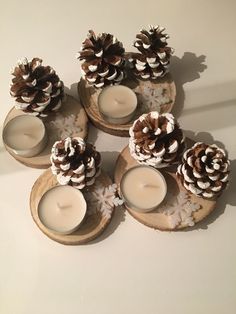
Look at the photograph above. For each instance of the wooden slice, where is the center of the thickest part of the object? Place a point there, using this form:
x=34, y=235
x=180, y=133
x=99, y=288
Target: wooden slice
x=93, y=224
x=177, y=201
x=71, y=120
x=152, y=96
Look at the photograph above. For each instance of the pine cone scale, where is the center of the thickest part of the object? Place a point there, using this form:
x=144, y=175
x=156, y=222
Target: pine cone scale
x=36, y=88
x=103, y=59
x=150, y=143
x=153, y=58
x=75, y=162
x=204, y=170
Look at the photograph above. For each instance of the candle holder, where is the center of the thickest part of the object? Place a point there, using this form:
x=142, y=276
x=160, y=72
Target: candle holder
x=180, y=209
x=62, y=209
x=100, y=199
x=25, y=136
x=158, y=95
x=143, y=188
x=70, y=120
x=117, y=104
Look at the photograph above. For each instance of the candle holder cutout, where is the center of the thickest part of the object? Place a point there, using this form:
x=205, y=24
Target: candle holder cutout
x=70, y=120
x=101, y=199
x=156, y=95
x=179, y=209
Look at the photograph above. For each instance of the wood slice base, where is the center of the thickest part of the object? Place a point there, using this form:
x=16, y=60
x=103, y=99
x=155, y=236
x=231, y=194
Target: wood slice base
x=149, y=99
x=175, y=198
x=71, y=120
x=93, y=224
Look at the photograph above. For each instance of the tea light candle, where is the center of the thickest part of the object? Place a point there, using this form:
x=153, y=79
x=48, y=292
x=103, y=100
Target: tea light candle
x=25, y=135
x=143, y=188
x=117, y=104
x=62, y=209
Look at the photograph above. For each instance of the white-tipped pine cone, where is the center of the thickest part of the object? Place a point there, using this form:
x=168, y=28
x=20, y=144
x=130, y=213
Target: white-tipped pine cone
x=37, y=89
x=103, y=59
x=75, y=162
x=153, y=58
x=156, y=140
x=204, y=170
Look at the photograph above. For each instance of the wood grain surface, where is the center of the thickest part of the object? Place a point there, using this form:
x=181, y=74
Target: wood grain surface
x=70, y=107
x=156, y=219
x=92, y=226
x=89, y=96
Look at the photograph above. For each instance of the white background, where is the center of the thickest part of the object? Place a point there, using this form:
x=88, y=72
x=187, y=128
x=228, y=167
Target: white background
x=131, y=268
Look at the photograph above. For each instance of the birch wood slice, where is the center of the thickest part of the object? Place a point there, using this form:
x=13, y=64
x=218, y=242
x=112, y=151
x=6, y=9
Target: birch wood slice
x=70, y=120
x=152, y=96
x=176, y=202
x=93, y=224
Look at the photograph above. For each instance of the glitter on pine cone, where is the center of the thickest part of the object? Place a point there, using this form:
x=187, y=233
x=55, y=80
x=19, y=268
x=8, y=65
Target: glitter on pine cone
x=153, y=58
x=204, y=170
x=75, y=162
x=103, y=59
x=156, y=140
x=37, y=89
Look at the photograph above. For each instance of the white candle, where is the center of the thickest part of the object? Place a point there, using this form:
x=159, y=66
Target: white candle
x=25, y=135
x=62, y=209
x=143, y=188
x=117, y=104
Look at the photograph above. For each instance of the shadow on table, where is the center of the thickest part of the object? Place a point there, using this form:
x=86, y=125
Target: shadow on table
x=108, y=165
x=184, y=70
x=228, y=196
x=117, y=219
x=109, y=162
x=92, y=133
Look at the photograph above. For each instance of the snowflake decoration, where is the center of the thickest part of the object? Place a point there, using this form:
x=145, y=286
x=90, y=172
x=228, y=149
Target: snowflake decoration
x=180, y=210
x=65, y=126
x=153, y=98
x=103, y=199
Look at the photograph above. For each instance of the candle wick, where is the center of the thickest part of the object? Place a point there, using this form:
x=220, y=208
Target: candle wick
x=28, y=134
x=63, y=206
x=118, y=102
x=151, y=186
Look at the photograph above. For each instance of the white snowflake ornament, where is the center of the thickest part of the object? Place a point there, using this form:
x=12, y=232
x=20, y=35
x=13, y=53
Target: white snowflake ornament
x=65, y=126
x=180, y=211
x=103, y=199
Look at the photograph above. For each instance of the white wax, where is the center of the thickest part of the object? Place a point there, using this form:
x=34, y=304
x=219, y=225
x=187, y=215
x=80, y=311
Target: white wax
x=62, y=209
x=117, y=104
x=25, y=135
x=143, y=188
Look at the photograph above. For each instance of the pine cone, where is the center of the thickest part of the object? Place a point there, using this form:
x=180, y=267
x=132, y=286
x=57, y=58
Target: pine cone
x=75, y=162
x=103, y=57
x=154, y=57
x=156, y=140
x=36, y=88
x=204, y=170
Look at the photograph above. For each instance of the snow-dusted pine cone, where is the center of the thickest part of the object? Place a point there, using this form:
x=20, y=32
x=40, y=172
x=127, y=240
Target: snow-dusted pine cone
x=204, y=170
x=37, y=89
x=75, y=162
x=153, y=58
x=156, y=140
x=103, y=59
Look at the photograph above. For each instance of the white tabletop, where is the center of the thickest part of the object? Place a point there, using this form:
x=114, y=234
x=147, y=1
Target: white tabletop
x=130, y=268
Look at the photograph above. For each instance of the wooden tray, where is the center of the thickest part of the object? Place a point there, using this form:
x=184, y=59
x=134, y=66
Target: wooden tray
x=184, y=209
x=93, y=224
x=149, y=99
x=71, y=120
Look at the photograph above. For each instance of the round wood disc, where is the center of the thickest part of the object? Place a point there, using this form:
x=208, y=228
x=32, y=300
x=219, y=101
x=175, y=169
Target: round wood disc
x=70, y=120
x=175, y=202
x=152, y=96
x=93, y=224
